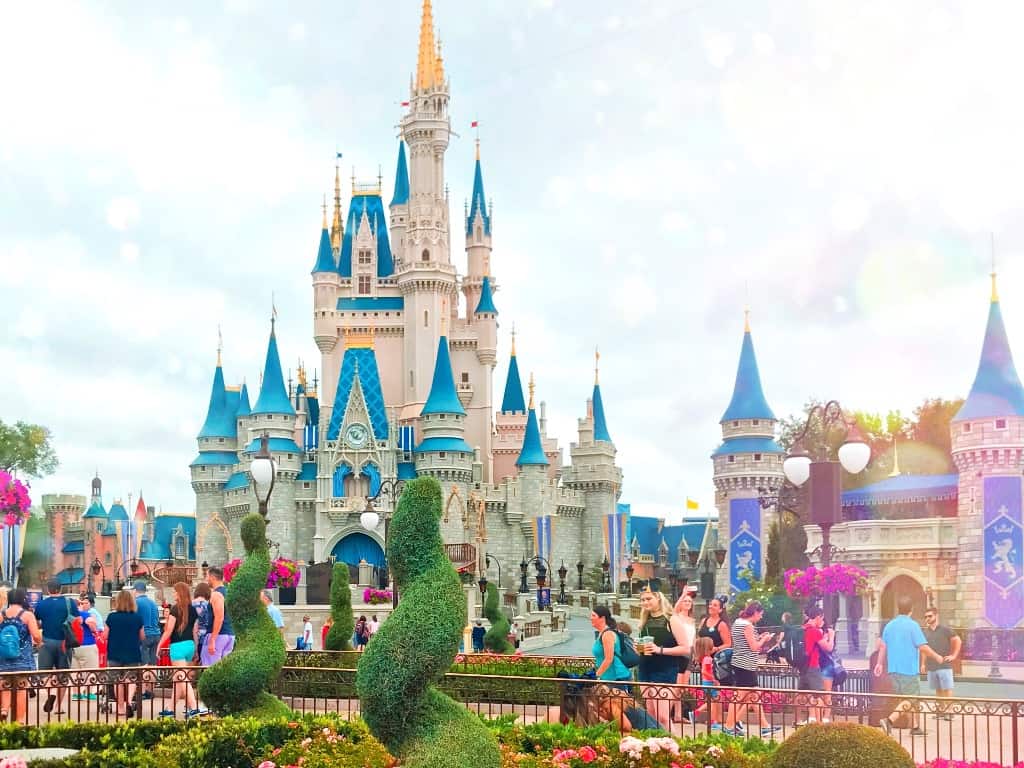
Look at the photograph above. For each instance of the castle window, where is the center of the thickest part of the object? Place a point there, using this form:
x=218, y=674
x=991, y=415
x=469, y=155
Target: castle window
x=305, y=485
x=441, y=454
x=412, y=379
x=425, y=255
x=967, y=428
x=735, y=423
x=364, y=257
x=426, y=317
x=364, y=284
x=755, y=422
x=107, y=559
x=465, y=378
x=289, y=455
x=220, y=439
x=732, y=459
x=757, y=457
x=1000, y=423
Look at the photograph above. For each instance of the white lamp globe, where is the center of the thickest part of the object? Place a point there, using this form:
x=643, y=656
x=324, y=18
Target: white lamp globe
x=262, y=471
x=797, y=469
x=369, y=520
x=854, y=456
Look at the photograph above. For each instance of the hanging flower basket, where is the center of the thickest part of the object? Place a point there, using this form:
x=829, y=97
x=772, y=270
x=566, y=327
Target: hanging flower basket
x=14, y=501
x=284, y=573
x=836, y=579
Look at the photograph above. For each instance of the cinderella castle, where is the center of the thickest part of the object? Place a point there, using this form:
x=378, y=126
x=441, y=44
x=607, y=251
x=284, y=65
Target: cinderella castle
x=407, y=390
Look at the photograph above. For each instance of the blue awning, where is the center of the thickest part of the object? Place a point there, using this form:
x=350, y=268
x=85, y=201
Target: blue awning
x=74, y=546
x=903, y=489
x=71, y=576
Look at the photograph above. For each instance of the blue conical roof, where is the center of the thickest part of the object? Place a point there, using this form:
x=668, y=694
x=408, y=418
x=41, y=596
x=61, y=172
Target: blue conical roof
x=95, y=510
x=443, y=398
x=244, y=409
x=513, y=400
x=997, y=390
x=401, y=196
x=478, y=204
x=219, y=421
x=748, y=400
x=532, y=452
x=324, y=255
x=273, y=395
x=600, y=425
x=486, y=303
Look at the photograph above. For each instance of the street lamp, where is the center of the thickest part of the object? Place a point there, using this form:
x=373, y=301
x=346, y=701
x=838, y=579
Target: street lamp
x=263, y=471
x=629, y=576
x=606, y=582
x=482, y=583
x=825, y=490
x=369, y=519
x=523, y=586
x=97, y=568
x=487, y=564
x=579, y=575
x=562, y=571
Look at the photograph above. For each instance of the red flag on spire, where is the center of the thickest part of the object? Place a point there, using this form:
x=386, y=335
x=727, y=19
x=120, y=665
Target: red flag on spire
x=475, y=124
x=140, y=509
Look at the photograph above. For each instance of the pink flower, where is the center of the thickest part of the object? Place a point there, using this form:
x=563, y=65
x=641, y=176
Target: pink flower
x=264, y=764
x=587, y=754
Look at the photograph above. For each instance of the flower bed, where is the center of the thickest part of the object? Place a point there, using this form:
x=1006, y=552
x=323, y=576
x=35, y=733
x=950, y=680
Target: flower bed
x=373, y=596
x=284, y=573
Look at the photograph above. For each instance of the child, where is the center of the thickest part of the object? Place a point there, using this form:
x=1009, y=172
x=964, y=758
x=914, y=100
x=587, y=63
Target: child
x=702, y=649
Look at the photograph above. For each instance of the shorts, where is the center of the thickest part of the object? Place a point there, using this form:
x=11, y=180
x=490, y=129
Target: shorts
x=148, y=647
x=941, y=679
x=52, y=655
x=812, y=679
x=667, y=676
x=710, y=689
x=222, y=646
x=85, y=657
x=907, y=685
x=116, y=663
x=183, y=650
x=744, y=678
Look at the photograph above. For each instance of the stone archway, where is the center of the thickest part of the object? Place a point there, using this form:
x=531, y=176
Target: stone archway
x=900, y=585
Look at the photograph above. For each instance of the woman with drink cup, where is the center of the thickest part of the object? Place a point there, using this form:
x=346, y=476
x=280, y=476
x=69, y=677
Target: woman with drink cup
x=664, y=639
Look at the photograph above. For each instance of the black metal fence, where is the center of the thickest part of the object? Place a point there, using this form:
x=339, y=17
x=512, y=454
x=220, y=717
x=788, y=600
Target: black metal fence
x=960, y=729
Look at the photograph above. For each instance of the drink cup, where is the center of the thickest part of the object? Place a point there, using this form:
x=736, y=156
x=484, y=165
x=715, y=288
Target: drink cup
x=644, y=642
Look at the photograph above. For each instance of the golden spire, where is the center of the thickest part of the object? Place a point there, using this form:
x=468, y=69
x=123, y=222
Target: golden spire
x=324, y=206
x=429, y=67
x=895, y=459
x=302, y=375
x=597, y=365
x=746, y=320
x=531, y=391
x=220, y=345
x=513, y=339
x=477, y=147
x=995, y=292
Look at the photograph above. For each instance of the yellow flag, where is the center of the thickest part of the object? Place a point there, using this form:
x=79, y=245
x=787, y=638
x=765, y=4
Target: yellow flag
x=691, y=504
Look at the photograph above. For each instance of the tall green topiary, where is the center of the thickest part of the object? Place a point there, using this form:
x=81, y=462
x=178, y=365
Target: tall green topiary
x=238, y=683
x=413, y=649
x=339, y=636
x=839, y=745
x=496, y=639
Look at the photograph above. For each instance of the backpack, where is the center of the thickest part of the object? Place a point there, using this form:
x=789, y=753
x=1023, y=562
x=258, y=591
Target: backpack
x=792, y=648
x=627, y=651
x=722, y=665
x=10, y=638
x=204, y=617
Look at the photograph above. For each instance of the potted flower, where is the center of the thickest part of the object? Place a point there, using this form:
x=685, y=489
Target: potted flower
x=284, y=577
x=836, y=579
x=373, y=596
x=14, y=501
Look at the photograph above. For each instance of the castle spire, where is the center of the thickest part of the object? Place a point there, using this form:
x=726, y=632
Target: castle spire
x=273, y=395
x=748, y=401
x=997, y=389
x=478, y=204
x=429, y=67
x=401, y=196
x=995, y=292
x=486, y=303
x=600, y=424
x=324, y=254
x=512, y=401
x=443, y=398
x=244, y=408
x=219, y=423
x=532, y=453
x=337, y=227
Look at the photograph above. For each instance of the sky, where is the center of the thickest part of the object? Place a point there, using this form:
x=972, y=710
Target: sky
x=839, y=167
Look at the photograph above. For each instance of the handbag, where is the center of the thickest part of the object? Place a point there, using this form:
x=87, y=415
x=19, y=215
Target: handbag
x=71, y=640
x=831, y=661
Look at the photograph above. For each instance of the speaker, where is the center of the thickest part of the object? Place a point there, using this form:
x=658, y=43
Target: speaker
x=826, y=505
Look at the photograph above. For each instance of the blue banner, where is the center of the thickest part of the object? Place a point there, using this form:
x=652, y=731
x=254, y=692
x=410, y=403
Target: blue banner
x=1004, y=546
x=744, y=541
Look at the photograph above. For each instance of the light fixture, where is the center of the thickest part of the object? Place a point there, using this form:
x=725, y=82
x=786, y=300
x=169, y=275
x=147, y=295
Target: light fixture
x=855, y=453
x=369, y=519
x=263, y=472
x=797, y=466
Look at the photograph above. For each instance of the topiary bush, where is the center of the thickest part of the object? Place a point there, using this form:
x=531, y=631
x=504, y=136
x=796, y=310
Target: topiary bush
x=839, y=745
x=238, y=683
x=339, y=636
x=413, y=649
x=496, y=639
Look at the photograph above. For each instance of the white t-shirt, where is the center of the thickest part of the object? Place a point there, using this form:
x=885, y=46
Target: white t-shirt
x=307, y=632
x=374, y=626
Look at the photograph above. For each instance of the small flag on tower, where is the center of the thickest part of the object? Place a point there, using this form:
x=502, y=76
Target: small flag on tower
x=405, y=103
x=337, y=155
x=475, y=124
x=691, y=504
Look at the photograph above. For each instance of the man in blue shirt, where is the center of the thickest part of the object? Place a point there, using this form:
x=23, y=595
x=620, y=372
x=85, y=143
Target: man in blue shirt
x=899, y=654
x=51, y=613
x=150, y=615
x=275, y=613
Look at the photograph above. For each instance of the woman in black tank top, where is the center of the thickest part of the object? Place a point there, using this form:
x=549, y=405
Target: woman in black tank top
x=714, y=625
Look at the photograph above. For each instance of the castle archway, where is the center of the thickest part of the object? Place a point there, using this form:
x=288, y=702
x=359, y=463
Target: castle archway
x=897, y=587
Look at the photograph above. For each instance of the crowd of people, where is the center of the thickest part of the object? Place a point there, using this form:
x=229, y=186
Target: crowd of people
x=67, y=632
x=672, y=645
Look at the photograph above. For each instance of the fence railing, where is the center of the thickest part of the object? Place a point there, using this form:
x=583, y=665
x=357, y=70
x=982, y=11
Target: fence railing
x=957, y=729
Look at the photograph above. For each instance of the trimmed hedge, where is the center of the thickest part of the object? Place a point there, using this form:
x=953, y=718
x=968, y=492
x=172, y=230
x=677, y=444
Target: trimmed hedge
x=239, y=682
x=496, y=639
x=839, y=745
x=339, y=636
x=397, y=674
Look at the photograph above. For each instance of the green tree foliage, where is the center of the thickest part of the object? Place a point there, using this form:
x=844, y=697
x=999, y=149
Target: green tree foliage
x=25, y=449
x=398, y=672
x=339, y=636
x=496, y=639
x=839, y=745
x=771, y=596
x=35, y=557
x=787, y=548
x=238, y=683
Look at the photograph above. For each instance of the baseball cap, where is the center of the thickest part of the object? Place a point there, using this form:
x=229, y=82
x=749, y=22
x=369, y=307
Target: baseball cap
x=140, y=586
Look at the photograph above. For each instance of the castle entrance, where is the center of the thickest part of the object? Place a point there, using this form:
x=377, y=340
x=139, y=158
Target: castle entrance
x=899, y=586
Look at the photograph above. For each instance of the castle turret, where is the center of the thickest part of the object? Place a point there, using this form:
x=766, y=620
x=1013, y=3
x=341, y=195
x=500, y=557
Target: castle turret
x=443, y=452
x=747, y=460
x=486, y=318
x=400, y=205
x=478, y=239
x=326, y=280
x=987, y=436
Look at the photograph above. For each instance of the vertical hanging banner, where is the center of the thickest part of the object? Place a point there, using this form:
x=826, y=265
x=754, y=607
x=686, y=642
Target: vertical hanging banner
x=542, y=537
x=744, y=541
x=615, y=543
x=127, y=536
x=13, y=543
x=1003, y=544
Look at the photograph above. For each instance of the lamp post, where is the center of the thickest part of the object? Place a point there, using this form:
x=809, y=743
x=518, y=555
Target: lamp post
x=543, y=567
x=606, y=582
x=263, y=471
x=704, y=564
x=629, y=579
x=97, y=569
x=579, y=575
x=825, y=489
x=370, y=519
x=523, y=586
x=562, y=572
x=487, y=564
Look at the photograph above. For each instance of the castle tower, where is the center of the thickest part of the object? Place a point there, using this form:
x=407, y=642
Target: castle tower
x=594, y=474
x=987, y=437
x=443, y=452
x=94, y=524
x=65, y=528
x=478, y=239
x=426, y=278
x=748, y=459
x=510, y=421
x=400, y=205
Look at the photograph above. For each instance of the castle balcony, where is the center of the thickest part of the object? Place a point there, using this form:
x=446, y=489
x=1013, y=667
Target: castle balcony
x=866, y=541
x=74, y=527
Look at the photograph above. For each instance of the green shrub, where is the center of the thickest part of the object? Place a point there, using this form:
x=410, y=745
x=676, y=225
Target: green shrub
x=839, y=745
x=412, y=650
x=496, y=639
x=339, y=636
x=239, y=682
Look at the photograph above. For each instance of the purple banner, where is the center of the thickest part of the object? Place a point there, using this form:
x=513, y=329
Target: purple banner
x=1004, y=545
x=744, y=541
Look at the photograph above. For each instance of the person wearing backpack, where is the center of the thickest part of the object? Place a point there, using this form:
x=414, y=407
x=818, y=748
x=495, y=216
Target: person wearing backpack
x=816, y=643
x=53, y=613
x=667, y=640
x=18, y=631
x=607, y=650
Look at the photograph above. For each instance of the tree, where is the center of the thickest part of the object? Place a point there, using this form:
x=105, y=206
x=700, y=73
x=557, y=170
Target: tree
x=931, y=428
x=339, y=636
x=35, y=556
x=25, y=449
x=496, y=639
x=785, y=551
